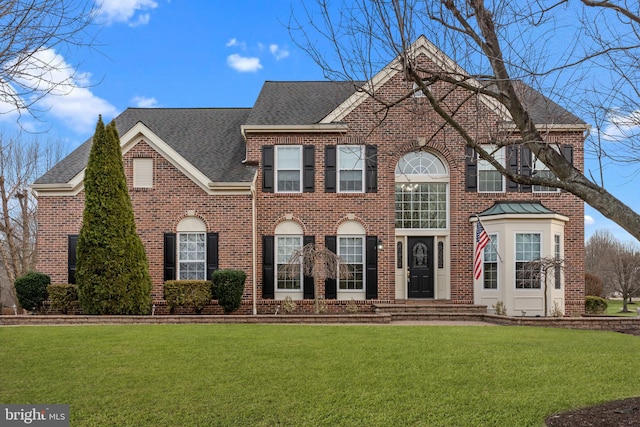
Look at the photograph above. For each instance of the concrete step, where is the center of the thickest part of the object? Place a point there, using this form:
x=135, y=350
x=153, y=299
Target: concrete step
x=430, y=308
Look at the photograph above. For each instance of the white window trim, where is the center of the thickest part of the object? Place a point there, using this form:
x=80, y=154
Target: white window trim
x=339, y=169
x=180, y=261
x=500, y=155
x=494, y=245
x=297, y=293
x=364, y=266
x=277, y=168
x=541, y=167
x=515, y=260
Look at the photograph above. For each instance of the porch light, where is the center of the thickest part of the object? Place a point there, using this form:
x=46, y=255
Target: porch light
x=380, y=246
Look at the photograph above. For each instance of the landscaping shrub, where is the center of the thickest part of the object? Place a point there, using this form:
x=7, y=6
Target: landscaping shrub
x=595, y=305
x=228, y=287
x=187, y=293
x=31, y=290
x=593, y=285
x=63, y=297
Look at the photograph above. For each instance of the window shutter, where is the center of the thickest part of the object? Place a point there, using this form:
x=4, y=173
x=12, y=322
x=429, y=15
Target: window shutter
x=567, y=153
x=371, y=172
x=212, y=254
x=526, y=160
x=267, y=168
x=331, y=285
x=309, y=168
x=72, y=243
x=307, y=285
x=512, y=165
x=268, y=267
x=371, y=287
x=471, y=169
x=330, y=161
x=169, y=256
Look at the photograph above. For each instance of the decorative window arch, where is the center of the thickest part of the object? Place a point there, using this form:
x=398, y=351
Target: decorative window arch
x=192, y=249
x=422, y=191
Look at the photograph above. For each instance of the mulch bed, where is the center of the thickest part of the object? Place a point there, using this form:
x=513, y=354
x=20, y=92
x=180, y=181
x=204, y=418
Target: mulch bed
x=619, y=413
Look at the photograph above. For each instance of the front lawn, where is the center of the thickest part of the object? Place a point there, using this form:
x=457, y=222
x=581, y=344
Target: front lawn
x=295, y=375
x=614, y=308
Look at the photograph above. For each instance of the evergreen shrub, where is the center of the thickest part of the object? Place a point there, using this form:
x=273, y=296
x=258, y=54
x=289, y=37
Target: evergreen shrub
x=228, y=286
x=187, y=293
x=63, y=297
x=595, y=305
x=31, y=289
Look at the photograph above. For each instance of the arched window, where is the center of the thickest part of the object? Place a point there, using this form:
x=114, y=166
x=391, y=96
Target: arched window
x=351, y=250
x=422, y=187
x=288, y=239
x=192, y=249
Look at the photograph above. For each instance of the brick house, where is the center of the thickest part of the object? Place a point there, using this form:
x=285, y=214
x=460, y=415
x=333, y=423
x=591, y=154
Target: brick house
x=394, y=193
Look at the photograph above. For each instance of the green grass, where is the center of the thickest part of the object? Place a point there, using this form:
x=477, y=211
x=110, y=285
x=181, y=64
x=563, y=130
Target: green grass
x=295, y=375
x=614, y=308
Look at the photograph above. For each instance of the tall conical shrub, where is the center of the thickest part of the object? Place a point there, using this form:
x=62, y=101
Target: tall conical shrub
x=112, y=272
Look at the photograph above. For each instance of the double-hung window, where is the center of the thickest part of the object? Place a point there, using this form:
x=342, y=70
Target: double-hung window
x=289, y=276
x=542, y=171
x=351, y=168
x=351, y=254
x=527, y=250
x=490, y=279
x=489, y=179
x=192, y=251
x=288, y=169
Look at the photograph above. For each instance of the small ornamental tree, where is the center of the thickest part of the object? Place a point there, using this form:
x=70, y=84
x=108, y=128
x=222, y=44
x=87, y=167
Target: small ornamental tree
x=112, y=272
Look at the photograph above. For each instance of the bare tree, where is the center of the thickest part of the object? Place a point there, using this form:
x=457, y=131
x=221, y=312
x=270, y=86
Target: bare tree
x=625, y=272
x=498, y=45
x=542, y=270
x=600, y=248
x=21, y=162
x=317, y=262
x=32, y=35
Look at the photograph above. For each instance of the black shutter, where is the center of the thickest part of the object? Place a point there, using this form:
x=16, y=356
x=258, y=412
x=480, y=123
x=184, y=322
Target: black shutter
x=512, y=165
x=267, y=168
x=212, y=254
x=567, y=153
x=72, y=243
x=307, y=286
x=169, y=256
x=371, y=287
x=309, y=168
x=371, y=173
x=331, y=285
x=526, y=166
x=268, y=268
x=471, y=169
x=330, y=169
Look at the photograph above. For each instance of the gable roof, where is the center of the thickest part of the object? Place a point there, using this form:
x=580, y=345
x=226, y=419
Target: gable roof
x=207, y=138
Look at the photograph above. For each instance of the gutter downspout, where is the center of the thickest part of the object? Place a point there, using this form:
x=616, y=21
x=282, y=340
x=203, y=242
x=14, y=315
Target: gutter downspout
x=255, y=247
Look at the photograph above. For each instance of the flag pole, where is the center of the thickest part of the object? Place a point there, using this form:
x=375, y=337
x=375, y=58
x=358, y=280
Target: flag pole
x=493, y=246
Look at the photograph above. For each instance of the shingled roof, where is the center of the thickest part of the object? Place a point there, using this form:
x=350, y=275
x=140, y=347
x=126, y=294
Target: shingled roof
x=208, y=138
x=211, y=139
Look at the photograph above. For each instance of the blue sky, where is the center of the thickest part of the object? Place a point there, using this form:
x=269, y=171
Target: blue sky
x=197, y=53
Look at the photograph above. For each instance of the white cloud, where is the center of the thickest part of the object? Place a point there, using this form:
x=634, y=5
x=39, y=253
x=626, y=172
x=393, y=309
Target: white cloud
x=131, y=12
x=64, y=93
x=278, y=52
x=244, y=64
x=235, y=43
x=621, y=126
x=588, y=220
x=144, y=102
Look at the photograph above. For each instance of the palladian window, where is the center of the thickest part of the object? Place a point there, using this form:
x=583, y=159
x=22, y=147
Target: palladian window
x=422, y=188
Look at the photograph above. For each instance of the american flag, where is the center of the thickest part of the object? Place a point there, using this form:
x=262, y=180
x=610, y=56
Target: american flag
x=482, y=239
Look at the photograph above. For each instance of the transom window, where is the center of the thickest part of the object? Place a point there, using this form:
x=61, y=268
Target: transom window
x=350, y=168
x=288, y=169
x=351, y=253
x=527, y=249
x=192, y=252
x=490, y=270
x=489, y=179
x=421, y=191
x=286, y=247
